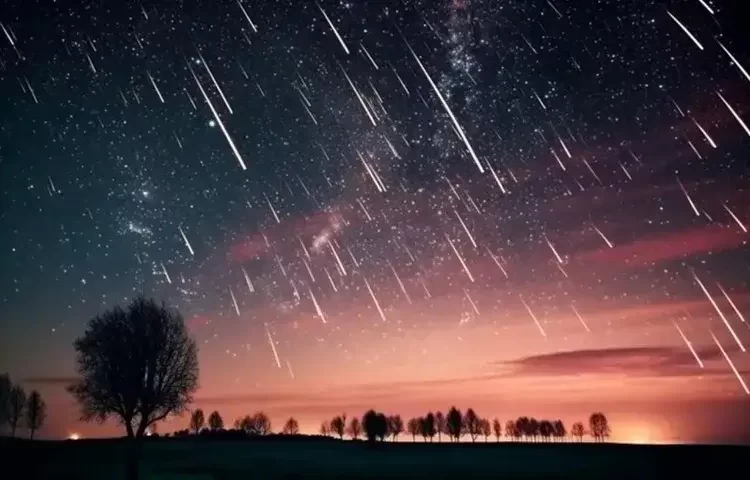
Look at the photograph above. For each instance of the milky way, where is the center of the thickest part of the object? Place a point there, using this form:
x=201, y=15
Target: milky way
x=375, y=190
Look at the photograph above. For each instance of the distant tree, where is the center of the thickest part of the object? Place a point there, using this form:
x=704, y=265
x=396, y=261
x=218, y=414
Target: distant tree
x=36, y=413
x=139, y=365
x=523, y=427
x=511, y=431
x=454, y=423
x=533, y=428
x=355, y=428
x=440, y=425
x=260, y=424
x=395, y=426
x=472, y=424
x=291, y=427
x=486, y=428
x=246, y=424
x=338, y=425
x=497, y=429
x=215, y=422
x=414, y=428
x=578, y=431
x=197, y=421
x=16, y=407
x=558, y=430
x=324, y=430
x=599, y=426
x=545, y=430
x=375, y=425
x=430, y=426
x=5, y=388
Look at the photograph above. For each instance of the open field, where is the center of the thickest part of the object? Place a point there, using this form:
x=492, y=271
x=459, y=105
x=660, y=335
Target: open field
x=212, y=459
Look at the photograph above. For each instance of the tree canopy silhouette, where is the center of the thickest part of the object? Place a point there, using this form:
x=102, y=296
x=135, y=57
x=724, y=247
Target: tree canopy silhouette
x=472, y=424
x=440, y=425
x=215, y=422
x=16, y=407
x=395, y=426
x=138, y=365
x=338, y=425
x=599, y=426
x=197, y=420
x=454, y=423
x=355, y=428
x=578, y=431
x=36, y=413
x=5, y=387
x=413, y=427
x=375, y=425
x=291, y=427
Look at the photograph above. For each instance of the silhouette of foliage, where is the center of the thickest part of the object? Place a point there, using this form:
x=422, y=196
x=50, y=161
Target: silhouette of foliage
x=599, y=426
x=414, y=428
x=375, y=425
x=260, y=424
x=338, y=425
x=16, y=407
x=291, y=427
x=324, y=430
x=497, y=429
x=511, y=430
x=454, y=422
x=523, y=427
x=578, y=431
x=486, y=428
x=138, y=365
x=215, y=422
x=429, y=426
x=5, y=388
x=472, y=424
x=36, y=413
x=395, y=426
x=545, y=430
x=354, y=429
x=440, y=425
x=533, y=428
x=558, y=430
x=197, y=421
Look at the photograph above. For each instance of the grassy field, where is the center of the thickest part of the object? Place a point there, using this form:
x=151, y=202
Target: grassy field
x=211, y=459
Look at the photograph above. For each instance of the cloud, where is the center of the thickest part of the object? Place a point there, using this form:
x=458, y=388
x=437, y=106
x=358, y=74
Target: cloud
x=50, y=380
x=670, y=246
x=634, y=361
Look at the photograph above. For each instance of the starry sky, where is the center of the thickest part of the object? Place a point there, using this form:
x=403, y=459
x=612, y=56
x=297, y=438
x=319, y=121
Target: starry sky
x=531, y=207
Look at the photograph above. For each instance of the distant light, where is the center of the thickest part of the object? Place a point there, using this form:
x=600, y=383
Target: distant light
x=211, y=123
x=74, y=436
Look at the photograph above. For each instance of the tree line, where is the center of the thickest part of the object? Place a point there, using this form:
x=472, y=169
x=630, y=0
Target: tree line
x=19, y=410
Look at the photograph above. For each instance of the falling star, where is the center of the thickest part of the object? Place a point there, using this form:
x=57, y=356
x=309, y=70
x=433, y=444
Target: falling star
x=731, y=364
x=536, y=321
x=689, y=345
x=721, y=315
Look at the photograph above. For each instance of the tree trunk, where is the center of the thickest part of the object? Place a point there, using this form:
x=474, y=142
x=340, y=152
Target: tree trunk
x=129, y=428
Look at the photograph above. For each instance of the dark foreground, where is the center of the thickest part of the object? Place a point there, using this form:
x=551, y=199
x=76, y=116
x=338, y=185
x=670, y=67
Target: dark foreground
x=213, y=459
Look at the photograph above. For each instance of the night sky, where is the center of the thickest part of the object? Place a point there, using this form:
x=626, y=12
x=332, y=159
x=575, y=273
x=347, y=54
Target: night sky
x=510, y=205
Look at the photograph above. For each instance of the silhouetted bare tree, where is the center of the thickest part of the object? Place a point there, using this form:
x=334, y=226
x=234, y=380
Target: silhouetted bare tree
x=414, y=428
x=291, y=427
x=472, y=424
x=260, y=424
x=440, y=425
x=355, y=428
x=139, y=365
x=599, y=426
x=375, y=425
x=197, y=420
x=215, y=422
x=324, y=430
x=578, y=431
x=533, y=428
x=545, y=430
x=395, y=426
x=429, y=426
x=5, y=388
x=36, y=413
x=338, y=425
x=454, y=423
x=486, y=428
x=511, y=430
x=16, y=407
x=497, y=429
x=523, y=427
x=558, y=430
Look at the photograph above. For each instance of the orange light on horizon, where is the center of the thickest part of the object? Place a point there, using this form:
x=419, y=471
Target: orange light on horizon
x=74, y=436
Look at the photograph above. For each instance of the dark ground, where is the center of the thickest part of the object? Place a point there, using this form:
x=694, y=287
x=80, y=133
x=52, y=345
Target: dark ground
x=310, y=457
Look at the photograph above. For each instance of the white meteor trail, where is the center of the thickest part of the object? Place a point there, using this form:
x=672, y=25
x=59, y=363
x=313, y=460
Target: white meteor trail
x=721, y=315
x=466, y=229
x=234, y=301
x=736, y=219
x=330, y=279
x=304, y=248
x=362, y=206
x=575, y=310
x=187, y=243
x=497, y=262
x=689, y=345
x=460, y=258
x=536, y=321
x=247, y=17
x=690, y=200
x=625, y=170
x=734, y=113
x=539, y=99
x=555, y=9
x=273, y=347
x=684, y=29
x=734, y=60
x=552, y=247
x=273, y=210
x=317, y=306
x=338, y=259
x=164, y=269
x=471, y=301
x=731, y=364
x=374, y=299
x=333, y=27
x=216, y=84
x=707, y=6
x=359, y=97
x=400, y=283
x=606, y=240
x=369, y=57
x=565, y=147
x=494, y=175
x=403, y=85
x=554, y=153
x=447, y=108
x=289, y=368
x=705, y=133
x=155, y=86
x=734, y=307
x=218, y=120
x=247, y=280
